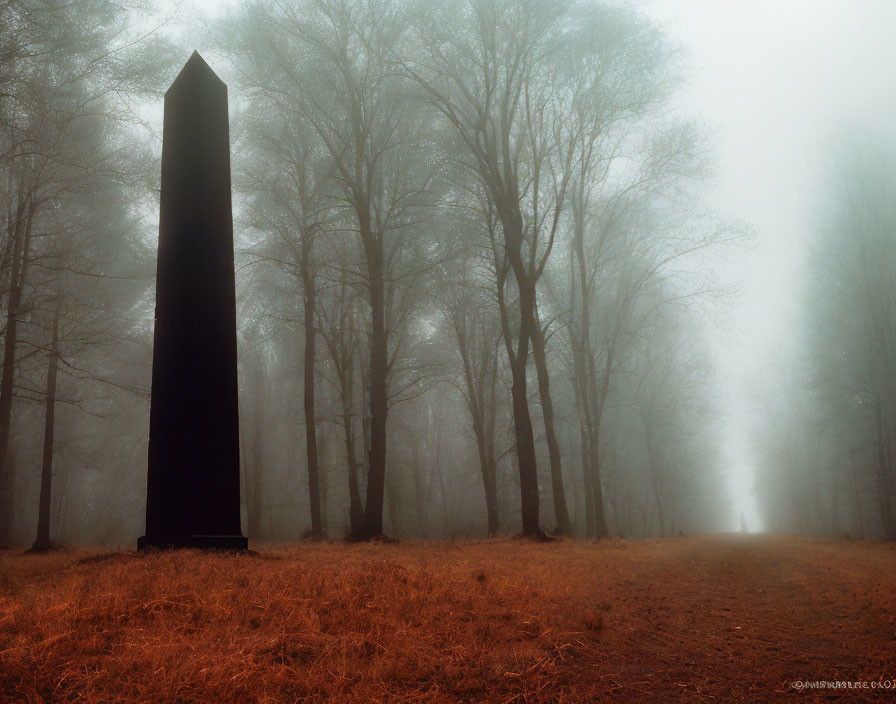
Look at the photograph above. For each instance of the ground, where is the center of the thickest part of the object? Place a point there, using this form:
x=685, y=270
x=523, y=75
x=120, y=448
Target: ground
x=696, y=619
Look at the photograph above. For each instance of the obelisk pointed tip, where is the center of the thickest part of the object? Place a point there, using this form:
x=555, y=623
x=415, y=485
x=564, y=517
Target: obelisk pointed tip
x=196, y=58
x=196, y=67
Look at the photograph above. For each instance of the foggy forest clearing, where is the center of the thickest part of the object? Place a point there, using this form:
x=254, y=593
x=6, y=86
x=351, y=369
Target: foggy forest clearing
x=404, y=271
x=708, y=618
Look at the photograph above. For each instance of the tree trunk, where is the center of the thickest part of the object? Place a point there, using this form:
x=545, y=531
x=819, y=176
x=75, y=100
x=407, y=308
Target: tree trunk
x=482, y=415
x=364, y=377
x=561, y=513
x=586, y=459
x=654, y=461
x=20, y=232
x=525, y=449
x=341, y=346
x=255, y=477
x=356, y=510
x=512, y=225
x=317, y=530
x=491, y=470
x=488, y=472
x=591, y=404
x=46, y=476
x=579, y=385
x=376, y=472
x=244, y=468
x=393, y=502
x=597, y=407
x=419, y=490
x=324, y=483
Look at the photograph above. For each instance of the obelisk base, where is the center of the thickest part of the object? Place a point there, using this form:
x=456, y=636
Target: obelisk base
x=203, y=542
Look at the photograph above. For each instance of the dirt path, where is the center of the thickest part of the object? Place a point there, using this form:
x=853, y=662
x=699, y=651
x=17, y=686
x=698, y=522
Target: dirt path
x=743, y=618
x=698, y=619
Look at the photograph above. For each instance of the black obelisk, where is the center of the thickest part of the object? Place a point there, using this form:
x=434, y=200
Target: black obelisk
x=193, y=483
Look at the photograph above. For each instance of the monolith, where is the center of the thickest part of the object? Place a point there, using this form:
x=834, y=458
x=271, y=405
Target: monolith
x=193, y=481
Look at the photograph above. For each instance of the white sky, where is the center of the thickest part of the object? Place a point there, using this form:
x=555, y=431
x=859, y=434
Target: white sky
x=780, y=81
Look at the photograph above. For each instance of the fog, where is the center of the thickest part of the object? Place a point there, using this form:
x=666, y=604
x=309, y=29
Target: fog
x=575, y=268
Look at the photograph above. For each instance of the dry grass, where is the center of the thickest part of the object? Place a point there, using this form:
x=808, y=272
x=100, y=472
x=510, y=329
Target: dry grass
x=499, y=621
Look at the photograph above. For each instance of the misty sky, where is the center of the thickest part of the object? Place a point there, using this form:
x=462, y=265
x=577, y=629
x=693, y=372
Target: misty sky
x=783, y=81
x=778, y=83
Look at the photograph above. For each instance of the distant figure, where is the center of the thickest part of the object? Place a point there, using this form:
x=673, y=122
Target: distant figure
x=193, y=483
x=743, y=523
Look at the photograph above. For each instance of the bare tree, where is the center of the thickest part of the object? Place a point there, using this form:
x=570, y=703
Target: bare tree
x=369, y=137
x=478, y=335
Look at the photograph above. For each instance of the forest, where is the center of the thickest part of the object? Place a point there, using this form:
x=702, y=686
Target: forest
x=477, y=280
x=558, y=341
x=468, y=265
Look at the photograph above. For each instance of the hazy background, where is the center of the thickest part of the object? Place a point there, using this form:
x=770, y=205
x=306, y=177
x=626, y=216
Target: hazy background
x=753, y=385
x=781, y=81
x=777, y=82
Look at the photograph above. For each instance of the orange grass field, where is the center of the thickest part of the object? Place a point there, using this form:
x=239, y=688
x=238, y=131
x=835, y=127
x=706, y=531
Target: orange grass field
x=708, y=618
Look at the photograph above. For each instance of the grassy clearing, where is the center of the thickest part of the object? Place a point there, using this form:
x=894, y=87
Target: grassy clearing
x=497, y=621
